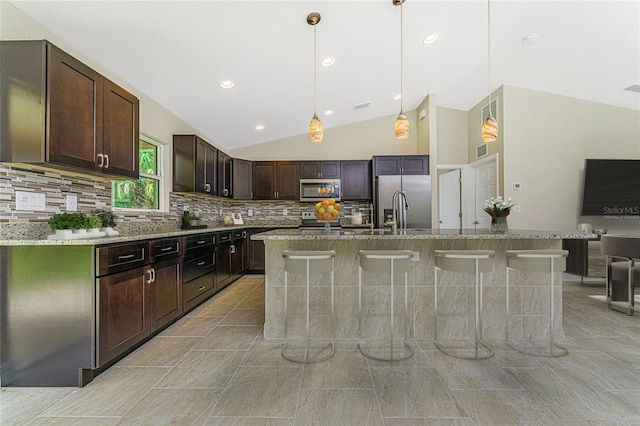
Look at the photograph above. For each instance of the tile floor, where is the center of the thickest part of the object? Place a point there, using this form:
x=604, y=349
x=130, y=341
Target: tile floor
x=213, y=368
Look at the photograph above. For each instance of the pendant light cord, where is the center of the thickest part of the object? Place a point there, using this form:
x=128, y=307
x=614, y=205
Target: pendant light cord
x=401, y=62
x=489, y=54
x=315, y=73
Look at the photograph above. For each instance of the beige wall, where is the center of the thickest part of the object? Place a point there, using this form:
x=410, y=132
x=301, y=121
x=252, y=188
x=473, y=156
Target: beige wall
x=546, y=140
x=356, y=141
x=452, y=136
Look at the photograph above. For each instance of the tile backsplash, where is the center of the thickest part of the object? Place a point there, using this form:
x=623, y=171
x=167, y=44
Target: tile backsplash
x=94, y=192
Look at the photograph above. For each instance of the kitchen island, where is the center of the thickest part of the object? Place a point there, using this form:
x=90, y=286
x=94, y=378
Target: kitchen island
x=529, y=306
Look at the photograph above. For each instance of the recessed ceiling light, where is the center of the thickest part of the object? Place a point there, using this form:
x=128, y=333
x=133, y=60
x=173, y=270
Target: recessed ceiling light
x=328, y=112
x=327, y=62
x=259, y=127
x=431, y=38
x=227, y=84
x=397, y=97
x=530, y=39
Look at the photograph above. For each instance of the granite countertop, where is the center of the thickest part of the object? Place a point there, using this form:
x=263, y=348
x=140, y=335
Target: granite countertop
x=414, y=234
x=126, y=238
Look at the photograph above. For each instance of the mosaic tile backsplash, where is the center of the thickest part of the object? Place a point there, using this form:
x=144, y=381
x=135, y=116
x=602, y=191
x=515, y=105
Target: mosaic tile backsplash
x=94, y=192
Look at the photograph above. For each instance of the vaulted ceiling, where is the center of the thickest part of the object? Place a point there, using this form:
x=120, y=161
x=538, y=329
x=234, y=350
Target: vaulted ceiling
x=177, y=53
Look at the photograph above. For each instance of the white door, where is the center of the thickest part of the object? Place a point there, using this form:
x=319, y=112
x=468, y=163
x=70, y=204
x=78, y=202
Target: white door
x=449, y=199
x=486, y=186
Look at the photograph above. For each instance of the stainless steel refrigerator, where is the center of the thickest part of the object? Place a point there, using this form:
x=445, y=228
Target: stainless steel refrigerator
x=418, y=190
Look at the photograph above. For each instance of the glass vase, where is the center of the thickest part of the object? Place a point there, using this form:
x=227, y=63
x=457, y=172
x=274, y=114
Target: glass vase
x=499, y=225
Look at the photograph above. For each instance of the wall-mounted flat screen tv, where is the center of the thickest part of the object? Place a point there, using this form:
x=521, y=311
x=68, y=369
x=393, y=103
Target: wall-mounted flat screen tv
x=611, y=188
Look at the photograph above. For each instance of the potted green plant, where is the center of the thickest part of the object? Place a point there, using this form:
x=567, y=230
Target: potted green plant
x=108, y=219
x=64, y=224
x=190, y=220
x=93, y=223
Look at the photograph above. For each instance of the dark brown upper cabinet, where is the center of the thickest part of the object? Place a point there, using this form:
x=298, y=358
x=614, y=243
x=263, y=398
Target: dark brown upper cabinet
x=400, y=165
x=320, y=169
x=194, y=165
x=242, y=179
x=356, y=180
x=57, y=111
x=276, y=180
x=225, y=175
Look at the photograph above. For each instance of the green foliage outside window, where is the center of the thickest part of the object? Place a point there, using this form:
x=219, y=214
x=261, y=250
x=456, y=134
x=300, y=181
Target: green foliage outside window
x=144, y=192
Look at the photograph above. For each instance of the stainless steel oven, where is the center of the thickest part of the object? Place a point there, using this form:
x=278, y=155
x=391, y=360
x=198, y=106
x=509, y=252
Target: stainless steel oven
x=319, y=189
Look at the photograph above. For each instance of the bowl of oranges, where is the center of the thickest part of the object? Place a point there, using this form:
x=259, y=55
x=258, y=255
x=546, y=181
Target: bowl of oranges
x=327, y=210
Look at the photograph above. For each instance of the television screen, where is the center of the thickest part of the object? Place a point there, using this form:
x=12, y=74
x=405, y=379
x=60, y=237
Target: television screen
x=611, y=188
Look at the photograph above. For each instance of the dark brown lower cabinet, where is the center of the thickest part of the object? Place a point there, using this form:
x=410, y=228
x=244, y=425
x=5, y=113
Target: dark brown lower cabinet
x=121, y=320
x=164, y=293
x=256, y=252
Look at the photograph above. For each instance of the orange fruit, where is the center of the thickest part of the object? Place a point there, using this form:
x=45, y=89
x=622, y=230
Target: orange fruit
x=336, y=206
x=325, y=203
x=327, y=216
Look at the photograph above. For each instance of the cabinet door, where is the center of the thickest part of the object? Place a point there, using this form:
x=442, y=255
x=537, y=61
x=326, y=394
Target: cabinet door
x=256, y=253
x=75, y=116
x=387, y=165
x=121, y=135
x=205, y=168
x=288, y=180
x=164, y=295
x=223, y=266
x=242, y=179
x=224, y=175
x=330, y=169
x=309, y=169
x=415, y=165
x=356, y=180
x=122, y=321
x=264, y=180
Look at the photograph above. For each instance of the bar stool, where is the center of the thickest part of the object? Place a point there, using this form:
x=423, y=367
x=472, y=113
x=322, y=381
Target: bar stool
x=307, y=263
x=472, y=262
x=538, y=261
x=386, y=262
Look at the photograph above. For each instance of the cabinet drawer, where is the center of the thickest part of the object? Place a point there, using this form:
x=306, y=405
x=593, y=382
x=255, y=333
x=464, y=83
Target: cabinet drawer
x=239, y=235
x=197, y=265
x=197, y=288
x=116, y=258
x=164, y=248
x=224, y=237
x=199, y=240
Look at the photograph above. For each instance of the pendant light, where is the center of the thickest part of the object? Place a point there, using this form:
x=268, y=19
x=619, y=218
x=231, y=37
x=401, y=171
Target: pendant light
x=402, y=122
x=315, y=127
x=490, y=126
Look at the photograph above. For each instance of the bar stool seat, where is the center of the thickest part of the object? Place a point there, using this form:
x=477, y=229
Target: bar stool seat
x=386, y=262
x=474, y=262
x=550, y=261
x=307, y=263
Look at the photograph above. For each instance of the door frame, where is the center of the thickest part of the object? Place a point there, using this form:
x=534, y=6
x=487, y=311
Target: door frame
x=470, y=185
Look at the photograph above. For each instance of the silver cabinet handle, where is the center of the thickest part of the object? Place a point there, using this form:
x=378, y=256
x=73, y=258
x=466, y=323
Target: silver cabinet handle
x=244, y=234
x=201, y=242
x=233, y=248
x=153, y=275
x=166, y=248
x=207, y=187
x=128, y=256
x=150, y=280
x=201, y=288
x=101, y=158
x=200, y=263
x=226, y=192
x=106, y=164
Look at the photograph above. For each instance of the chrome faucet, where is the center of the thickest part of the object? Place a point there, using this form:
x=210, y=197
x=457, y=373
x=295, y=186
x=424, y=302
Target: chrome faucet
x=394, y=215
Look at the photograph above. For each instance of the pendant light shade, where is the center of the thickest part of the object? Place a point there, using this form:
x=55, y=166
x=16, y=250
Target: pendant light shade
x=316, y=133
x=402, y=122
x=490, y=125
x=489, y=129
x=315, y=129
x=402, y=126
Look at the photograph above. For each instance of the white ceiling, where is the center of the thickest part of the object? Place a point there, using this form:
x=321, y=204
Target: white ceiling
x=177, y=52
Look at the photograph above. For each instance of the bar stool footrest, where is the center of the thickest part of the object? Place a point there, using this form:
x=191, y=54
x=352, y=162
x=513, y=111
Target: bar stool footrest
x=307, y=354
x=383, y=352
x=555, y=352
x=484, y=351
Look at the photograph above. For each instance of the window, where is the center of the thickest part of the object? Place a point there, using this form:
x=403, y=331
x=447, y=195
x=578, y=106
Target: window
x=143, y=193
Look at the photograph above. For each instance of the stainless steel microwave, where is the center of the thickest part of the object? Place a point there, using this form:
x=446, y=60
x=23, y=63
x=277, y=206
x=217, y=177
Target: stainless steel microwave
x=319, y=189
